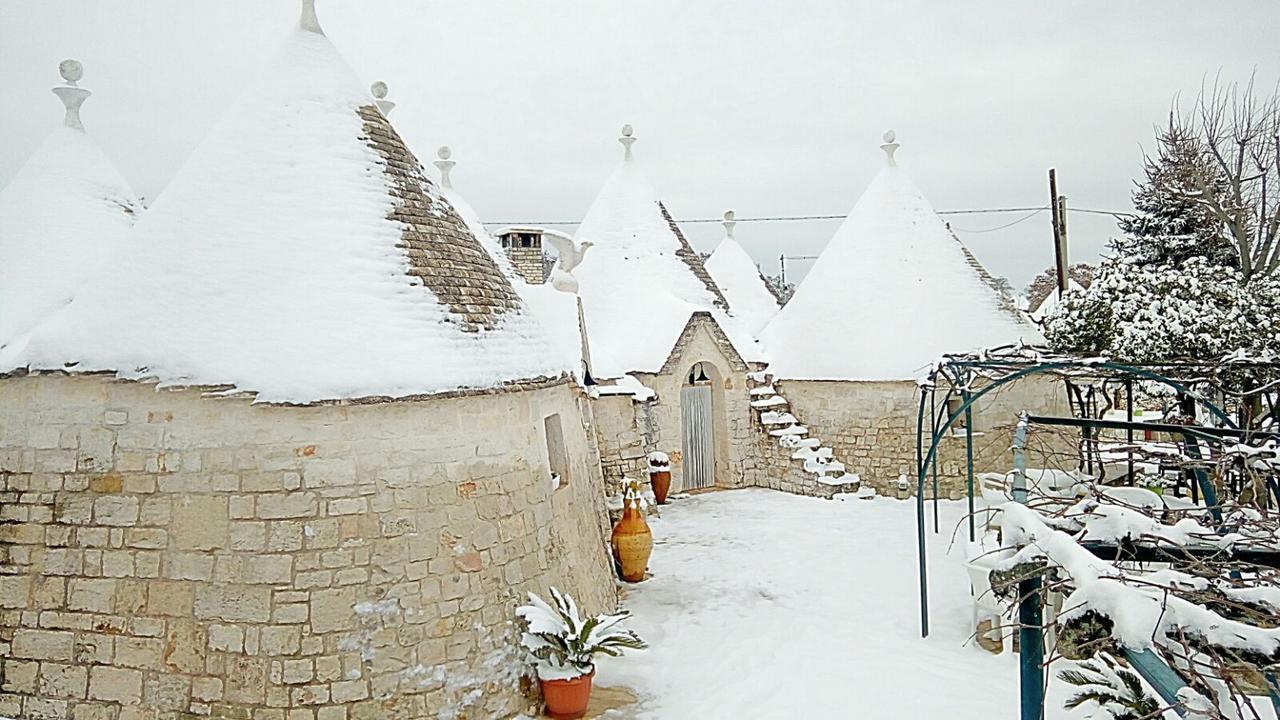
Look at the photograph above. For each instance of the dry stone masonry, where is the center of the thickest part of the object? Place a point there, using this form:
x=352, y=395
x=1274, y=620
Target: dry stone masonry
x=794, y=461
x=691, y=258
x=440, y=249
x=170, y=555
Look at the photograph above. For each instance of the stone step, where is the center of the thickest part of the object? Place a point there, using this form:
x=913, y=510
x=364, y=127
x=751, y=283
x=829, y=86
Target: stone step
x=793, y=430
x=848, y=481
x=824, y=468
x=777, y=418
x=764, y=390
x=760, y=376
x=809, y=453
x=775, y=401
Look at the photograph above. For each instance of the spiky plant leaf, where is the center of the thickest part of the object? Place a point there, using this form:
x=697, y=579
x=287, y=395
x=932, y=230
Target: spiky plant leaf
x=1114, y=688
x=558, y=637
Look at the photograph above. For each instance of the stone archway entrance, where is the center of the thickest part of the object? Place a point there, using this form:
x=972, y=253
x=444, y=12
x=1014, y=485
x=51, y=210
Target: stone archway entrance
x=698, y=427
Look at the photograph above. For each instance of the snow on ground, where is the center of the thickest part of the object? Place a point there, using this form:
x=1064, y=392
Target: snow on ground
x=769, y=605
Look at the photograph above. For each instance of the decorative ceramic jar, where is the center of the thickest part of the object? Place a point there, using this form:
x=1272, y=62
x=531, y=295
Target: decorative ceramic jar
x=632, y=541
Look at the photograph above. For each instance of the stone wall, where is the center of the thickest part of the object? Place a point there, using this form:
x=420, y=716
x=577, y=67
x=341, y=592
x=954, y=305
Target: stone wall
x=529, y=263
x=165, y=554
x=622, y=439
x=733, y=434
x=871, y=426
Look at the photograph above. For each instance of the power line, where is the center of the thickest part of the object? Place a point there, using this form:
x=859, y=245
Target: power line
x=803, y=218
x=1024, y=218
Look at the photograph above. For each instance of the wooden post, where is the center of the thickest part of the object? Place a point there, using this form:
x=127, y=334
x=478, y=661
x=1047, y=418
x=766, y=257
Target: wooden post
x=1056, y=206
x=1062, y=242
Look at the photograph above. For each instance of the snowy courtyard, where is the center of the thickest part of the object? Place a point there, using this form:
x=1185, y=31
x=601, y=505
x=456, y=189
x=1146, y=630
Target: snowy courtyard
x=348, y=376
x=763, y=604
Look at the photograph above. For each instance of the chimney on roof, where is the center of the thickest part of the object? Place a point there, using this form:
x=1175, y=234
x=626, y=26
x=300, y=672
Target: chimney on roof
x=889, y=147
x=379, y=91
x=523, y=246
x=71, y=95
x=444, y=164
x=627, y=141
x=729, y=221
x=309, y=21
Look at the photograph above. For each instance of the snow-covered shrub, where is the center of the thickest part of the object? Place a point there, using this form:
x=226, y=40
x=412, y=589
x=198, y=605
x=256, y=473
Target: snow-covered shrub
x=1178, y=287
x=1151, y=313
x=1115, y=690
x=563, y=645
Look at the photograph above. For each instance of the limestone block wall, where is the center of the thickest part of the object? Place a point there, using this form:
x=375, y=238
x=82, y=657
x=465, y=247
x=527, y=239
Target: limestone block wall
x=529, y=263
x=168, y=555
x=871, y=426
x=773, y=467
x=620, y=433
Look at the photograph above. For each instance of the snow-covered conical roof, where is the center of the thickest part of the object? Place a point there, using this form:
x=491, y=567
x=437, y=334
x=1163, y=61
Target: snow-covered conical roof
x=444, y=163
x=891, y=292
x=303, y=254
x=641, y=281
x=739, y=280
x=1050, y=302
x=555, y=310
x=64, y=213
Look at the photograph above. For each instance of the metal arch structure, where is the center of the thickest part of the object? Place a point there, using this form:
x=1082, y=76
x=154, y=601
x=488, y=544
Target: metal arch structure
x=961, y=370
x=1002, y=366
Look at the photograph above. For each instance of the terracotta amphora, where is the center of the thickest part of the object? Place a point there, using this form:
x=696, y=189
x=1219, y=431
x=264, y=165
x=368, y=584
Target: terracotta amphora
x=632, y=541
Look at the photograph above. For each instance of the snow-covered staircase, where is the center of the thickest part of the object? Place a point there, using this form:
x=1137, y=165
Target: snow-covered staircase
x=812, y=467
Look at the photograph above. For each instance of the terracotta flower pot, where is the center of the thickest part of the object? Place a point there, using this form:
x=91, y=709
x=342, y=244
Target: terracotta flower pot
x=660, y=481
x=567, y=699
x=632, y=542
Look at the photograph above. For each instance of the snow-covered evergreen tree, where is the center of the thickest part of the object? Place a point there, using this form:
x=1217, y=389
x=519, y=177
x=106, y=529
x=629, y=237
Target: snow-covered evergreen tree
x=1190, y=310
x=782, y=290
x=1172, y=223
x=1173, y=289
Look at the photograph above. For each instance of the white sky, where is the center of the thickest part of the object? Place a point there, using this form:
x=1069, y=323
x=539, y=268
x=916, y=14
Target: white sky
x=771, y=108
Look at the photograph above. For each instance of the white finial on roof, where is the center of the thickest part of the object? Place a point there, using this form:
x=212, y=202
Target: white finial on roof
x=445, y=165
x=729, y=221
x=889, y=147
x=71, y=95
x=379, y=90
x=309, y=21
x=627, y=141
x=71, y=71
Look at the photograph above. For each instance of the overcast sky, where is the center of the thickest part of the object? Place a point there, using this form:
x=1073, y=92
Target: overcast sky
x=771, y=108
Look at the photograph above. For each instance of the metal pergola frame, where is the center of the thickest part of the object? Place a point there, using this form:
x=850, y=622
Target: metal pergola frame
x=1003, y=366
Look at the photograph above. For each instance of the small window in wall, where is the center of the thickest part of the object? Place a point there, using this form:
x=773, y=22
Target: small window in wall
x=557, y=455
x=954, y=405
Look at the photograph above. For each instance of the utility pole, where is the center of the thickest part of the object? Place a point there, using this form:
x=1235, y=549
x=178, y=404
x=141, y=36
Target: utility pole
x=782, y=263
x=1058, y=205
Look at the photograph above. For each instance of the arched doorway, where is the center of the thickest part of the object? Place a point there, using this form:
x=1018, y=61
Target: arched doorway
x=698, y=426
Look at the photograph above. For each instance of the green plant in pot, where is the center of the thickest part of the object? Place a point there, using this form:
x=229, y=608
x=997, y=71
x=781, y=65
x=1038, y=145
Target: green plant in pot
x=563, y=646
